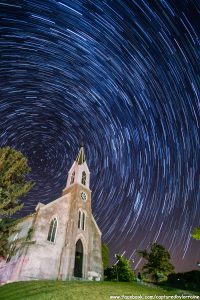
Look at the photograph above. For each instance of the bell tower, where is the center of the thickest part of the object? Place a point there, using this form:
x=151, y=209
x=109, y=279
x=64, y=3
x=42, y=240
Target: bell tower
x=79, y=177
x=83, y=233
x=79, y=172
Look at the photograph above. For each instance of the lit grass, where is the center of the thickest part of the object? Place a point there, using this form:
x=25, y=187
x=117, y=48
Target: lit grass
x=68, y=290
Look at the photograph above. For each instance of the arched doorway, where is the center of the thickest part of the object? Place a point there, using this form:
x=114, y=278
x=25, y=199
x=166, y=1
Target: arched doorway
x=78, y=263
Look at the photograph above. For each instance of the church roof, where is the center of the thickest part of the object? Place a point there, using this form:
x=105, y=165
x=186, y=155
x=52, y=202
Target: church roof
x=81, y=156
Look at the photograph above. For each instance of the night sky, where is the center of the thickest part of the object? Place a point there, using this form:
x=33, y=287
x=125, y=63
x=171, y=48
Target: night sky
x=124, y=77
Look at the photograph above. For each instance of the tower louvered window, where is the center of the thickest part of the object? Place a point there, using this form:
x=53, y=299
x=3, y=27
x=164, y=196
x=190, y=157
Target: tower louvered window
x=52, y=230
x=83, y=181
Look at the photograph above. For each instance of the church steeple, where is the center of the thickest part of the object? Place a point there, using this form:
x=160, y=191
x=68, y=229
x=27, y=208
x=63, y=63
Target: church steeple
x=81, y=156
x=79, y=172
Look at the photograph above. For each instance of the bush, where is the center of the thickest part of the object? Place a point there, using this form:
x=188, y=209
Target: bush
x=189, y=280
x=121, y=271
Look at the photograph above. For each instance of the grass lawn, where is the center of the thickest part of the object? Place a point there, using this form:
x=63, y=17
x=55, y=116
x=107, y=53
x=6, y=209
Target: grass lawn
x=64, y=290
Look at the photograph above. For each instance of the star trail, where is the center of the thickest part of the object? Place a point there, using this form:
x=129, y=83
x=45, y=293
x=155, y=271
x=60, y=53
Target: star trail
x=124, y=77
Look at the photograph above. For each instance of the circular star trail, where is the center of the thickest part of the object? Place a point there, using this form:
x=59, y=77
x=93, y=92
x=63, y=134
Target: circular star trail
x=123, y=76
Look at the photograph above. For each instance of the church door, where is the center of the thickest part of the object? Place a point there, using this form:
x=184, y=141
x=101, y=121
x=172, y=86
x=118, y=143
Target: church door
x=78, y=264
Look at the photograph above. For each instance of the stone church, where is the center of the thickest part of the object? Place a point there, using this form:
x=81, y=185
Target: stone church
x=64, y=239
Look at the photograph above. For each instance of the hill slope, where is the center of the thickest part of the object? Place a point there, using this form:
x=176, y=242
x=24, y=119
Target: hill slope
x=64, y=290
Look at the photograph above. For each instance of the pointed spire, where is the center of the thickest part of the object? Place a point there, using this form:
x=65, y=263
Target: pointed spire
x=81, y=156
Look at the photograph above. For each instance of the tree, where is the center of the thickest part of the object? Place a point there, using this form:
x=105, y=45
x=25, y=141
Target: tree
x=13, y=183
x=121, y=271
x=105, y=256
x=196, y=233
x=6, y=229
x=158, y=262
x=8, y=248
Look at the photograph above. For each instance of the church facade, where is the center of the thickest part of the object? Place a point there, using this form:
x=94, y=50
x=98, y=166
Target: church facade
x=64, y=241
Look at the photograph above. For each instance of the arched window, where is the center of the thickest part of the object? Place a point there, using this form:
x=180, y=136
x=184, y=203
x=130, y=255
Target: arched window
x=72, y=177
x=52, y=231
x=81, y=220
x=83, y=181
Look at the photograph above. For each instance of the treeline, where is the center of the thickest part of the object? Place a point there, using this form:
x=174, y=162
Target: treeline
x=158, y=269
